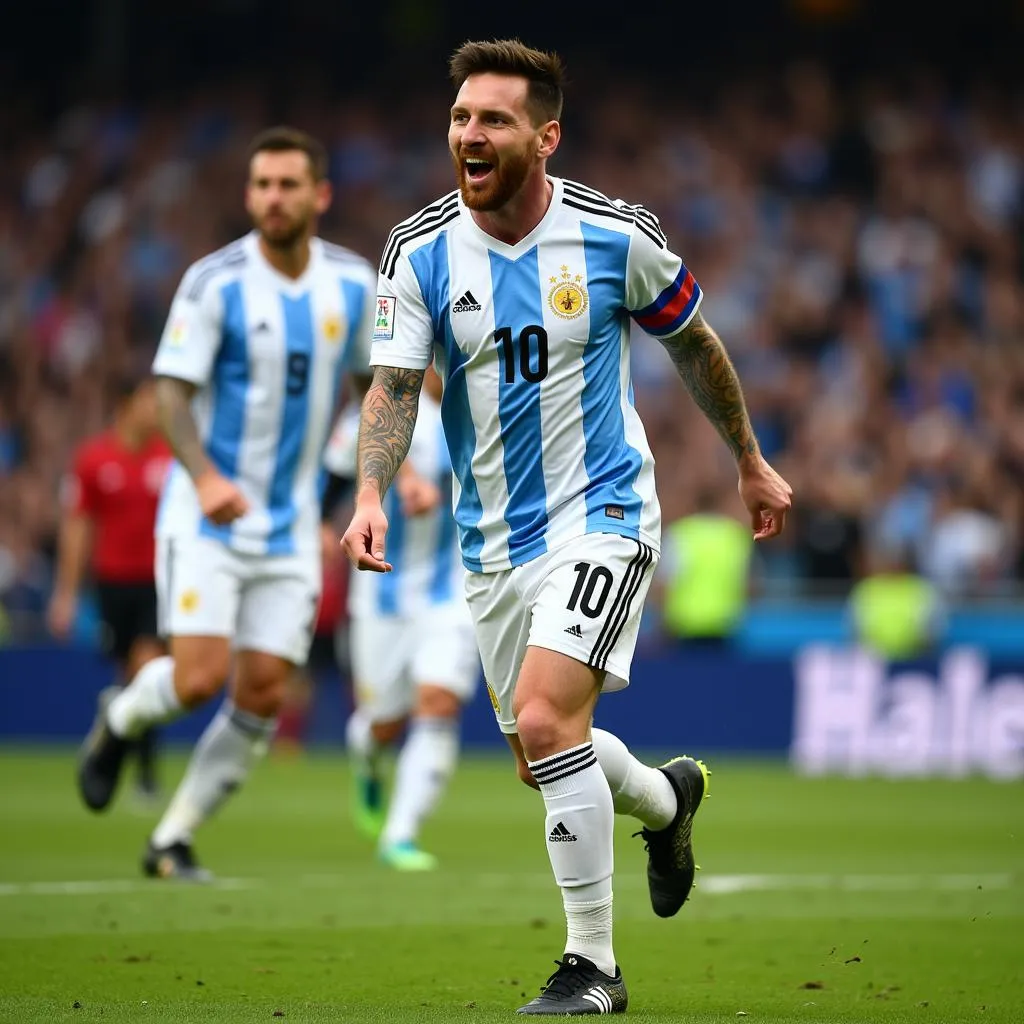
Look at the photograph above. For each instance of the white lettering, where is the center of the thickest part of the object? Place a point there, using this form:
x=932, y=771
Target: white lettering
x=851, y=719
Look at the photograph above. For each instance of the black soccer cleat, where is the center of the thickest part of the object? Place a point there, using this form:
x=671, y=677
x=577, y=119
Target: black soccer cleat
x=670, y=864
x=578, y=988
x=177, y=861
x=102, y=758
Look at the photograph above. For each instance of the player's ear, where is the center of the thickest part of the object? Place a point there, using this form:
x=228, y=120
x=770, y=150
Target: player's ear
x=550, y=136
x=324, y=195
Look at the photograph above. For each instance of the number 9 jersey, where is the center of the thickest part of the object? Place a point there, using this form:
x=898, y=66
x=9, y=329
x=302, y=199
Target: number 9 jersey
x=268, y=355
x=532, y=342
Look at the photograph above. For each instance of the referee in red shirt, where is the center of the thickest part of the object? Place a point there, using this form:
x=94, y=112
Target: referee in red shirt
x=110, y=502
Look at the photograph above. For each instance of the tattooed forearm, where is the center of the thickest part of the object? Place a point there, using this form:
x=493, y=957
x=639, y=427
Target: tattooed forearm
x=385, y=431
x=708, y=373
x=174, y=402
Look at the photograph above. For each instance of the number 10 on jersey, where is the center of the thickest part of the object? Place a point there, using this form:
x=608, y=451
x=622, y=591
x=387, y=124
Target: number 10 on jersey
x=532, y=360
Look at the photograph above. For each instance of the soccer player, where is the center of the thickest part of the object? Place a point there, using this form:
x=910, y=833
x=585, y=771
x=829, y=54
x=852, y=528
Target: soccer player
x=413, y=649
x=110, y=497
x=249, y=370
x=524, y=285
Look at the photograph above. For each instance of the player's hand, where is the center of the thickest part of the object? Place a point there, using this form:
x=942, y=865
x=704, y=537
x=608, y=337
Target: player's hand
x=766, y=495
x=418, y=494
x=363, y=542
x=219, y=499
x=60, y=615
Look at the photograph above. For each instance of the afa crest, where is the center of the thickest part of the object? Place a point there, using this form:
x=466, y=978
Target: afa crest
x=332, y=328
x=568, y=296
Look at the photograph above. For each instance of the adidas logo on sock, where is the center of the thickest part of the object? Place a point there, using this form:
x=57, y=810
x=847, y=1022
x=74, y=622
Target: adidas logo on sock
x=467, y=304
x=573, y=630
x=560, y=834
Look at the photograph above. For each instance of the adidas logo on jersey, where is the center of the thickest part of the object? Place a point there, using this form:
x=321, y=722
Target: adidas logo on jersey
x=467, y=304
x=560, y=834
x=573, y=630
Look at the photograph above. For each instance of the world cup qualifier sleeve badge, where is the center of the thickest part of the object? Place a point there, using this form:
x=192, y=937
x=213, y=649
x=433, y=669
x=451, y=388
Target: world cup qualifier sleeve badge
x=384, y=319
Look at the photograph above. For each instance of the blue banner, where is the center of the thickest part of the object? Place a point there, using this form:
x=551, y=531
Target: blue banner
x=831, y=708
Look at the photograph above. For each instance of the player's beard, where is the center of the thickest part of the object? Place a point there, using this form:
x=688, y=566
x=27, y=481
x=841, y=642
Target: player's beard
x=505, y=180
x=285, y=233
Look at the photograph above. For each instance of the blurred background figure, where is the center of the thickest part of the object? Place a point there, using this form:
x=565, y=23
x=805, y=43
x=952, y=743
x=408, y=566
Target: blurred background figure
x=106, y=544
x=896, y=612
x=408, y=644
x=705, y=572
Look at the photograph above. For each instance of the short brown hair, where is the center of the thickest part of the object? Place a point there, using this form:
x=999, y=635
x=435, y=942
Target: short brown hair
x=543, y=71
x=282, y=139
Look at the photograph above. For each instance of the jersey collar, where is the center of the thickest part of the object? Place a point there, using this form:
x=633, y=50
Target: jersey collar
x=513, y=252
x=296, y=283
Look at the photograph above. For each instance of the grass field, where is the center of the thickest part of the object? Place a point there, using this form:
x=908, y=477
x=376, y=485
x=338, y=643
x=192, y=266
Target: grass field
x=820, y=900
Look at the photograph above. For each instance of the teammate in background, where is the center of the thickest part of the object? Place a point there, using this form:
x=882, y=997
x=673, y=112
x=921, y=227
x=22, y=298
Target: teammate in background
x=523, y=285
x=249, y=371
x=110, y=499
x=412, y=647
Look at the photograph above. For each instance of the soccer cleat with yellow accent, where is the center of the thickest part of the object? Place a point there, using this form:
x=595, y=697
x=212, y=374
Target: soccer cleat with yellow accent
x=177, y=861
x=407, y=857
x=670, y=864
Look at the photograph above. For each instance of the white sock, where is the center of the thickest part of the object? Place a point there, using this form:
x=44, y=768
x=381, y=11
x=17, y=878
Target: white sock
x=425, y=764
x=578, y=833
x=637, y=789
x=362, y=746
x=149, y=699
x=220, y=763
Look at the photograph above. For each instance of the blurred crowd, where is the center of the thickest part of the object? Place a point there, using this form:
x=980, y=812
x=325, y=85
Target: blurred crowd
x=860, y=250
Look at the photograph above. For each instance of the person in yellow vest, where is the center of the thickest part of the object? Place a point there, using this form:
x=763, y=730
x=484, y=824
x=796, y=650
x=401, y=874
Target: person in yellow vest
x=705, y=571
x=894, y=611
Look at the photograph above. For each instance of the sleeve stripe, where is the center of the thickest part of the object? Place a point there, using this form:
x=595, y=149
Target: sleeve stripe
x=673, y=307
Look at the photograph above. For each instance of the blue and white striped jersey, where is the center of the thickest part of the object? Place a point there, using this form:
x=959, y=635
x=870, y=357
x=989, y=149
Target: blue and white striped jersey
x=424, y=549
x=268, y=355
x=532, y=341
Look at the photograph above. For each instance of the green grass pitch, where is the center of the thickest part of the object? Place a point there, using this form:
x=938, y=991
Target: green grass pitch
x=820, y=900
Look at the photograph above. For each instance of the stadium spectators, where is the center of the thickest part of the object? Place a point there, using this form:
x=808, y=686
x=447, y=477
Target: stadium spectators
x=860, y=251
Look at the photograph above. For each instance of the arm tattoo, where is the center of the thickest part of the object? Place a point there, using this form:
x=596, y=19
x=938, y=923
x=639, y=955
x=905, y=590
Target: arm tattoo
x=385, y=432
x=708, y=373
x=174, y=401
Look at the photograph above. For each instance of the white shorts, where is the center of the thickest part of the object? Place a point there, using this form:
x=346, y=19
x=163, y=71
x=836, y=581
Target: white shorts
x=263, y=602
x=583, y=599
x=393, y=655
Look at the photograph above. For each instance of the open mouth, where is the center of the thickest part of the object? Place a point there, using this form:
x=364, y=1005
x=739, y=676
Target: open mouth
x=477, y=170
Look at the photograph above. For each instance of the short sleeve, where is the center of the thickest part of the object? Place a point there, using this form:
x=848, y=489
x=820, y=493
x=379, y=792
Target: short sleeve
x=192, y=334
x=661, y=294
x=403, y=333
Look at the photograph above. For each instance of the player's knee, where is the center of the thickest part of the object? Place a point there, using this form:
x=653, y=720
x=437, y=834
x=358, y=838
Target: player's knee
x=262, y=697
x=437, y=702
x=196, y=684
x=540, y=729
x=387, y=732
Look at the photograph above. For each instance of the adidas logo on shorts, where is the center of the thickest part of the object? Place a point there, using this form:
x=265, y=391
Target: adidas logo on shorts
x=573, y=630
